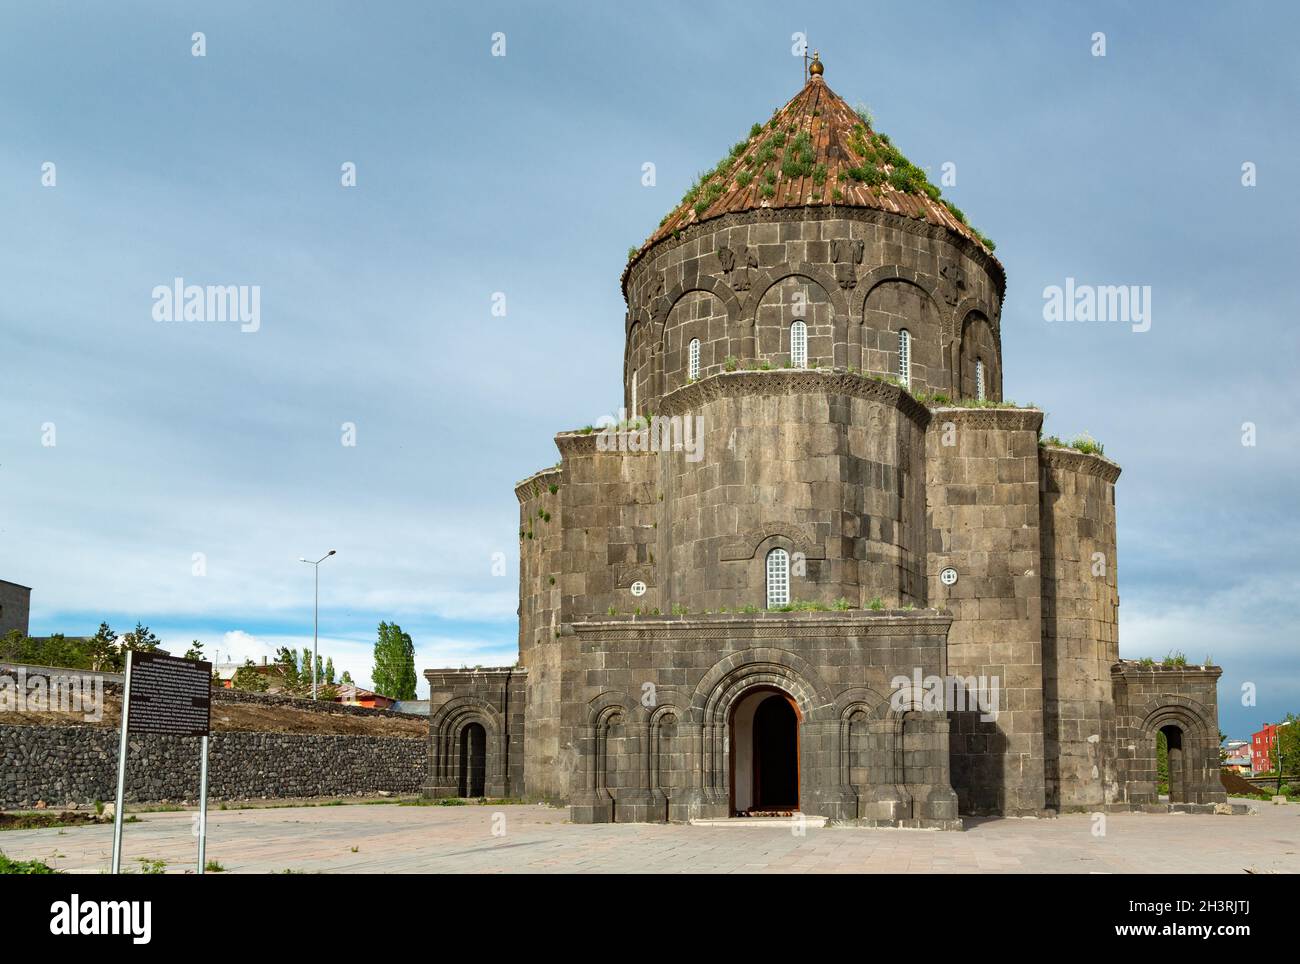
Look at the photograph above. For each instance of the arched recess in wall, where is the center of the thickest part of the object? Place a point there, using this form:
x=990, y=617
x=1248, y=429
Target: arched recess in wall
x=805, y=294
x=612, y=753
x=638, y=371
x=695, y=314
x=894, y=305
x=669, y=751
x=905, y=738
x=978, y=343
x=860, y=749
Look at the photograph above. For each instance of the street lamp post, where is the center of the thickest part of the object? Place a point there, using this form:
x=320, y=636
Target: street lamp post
x=315, y=616
x=1277, y=741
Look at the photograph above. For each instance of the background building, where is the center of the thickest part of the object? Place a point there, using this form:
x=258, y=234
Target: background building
x=1261, y=748
x=1238, y=757
x=15, y=607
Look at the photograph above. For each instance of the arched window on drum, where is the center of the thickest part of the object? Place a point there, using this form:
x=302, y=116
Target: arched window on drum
x=905, y=357
x=799, y=344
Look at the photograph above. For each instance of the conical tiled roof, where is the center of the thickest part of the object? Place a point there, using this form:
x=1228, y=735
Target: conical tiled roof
x=816, y=150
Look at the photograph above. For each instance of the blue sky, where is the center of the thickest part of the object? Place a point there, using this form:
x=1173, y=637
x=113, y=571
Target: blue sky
x=522, y=174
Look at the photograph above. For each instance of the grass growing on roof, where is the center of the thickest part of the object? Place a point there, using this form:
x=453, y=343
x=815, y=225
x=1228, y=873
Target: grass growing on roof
x=874, y=160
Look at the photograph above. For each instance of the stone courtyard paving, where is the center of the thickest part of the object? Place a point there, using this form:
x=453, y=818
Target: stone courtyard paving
x=407, y=839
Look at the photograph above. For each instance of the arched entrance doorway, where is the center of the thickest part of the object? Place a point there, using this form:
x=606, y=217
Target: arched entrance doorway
x=764, y=729
x=473, y=760
x=1175, y=765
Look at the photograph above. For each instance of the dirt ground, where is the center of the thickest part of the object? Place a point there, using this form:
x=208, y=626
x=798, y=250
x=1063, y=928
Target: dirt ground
x=52, y=818
x=251, y=717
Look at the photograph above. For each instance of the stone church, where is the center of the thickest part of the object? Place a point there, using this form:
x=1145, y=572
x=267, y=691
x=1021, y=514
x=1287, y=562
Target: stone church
x=819, y=565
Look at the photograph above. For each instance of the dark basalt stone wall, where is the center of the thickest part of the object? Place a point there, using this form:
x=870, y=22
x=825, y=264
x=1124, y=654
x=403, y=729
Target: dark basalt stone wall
x=63, y=765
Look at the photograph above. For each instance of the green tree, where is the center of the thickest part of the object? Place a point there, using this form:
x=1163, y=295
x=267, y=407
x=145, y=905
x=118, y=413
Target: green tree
x=102, y=650
x=346, y=679
x=329, y=671
x=394, y=672
x=248, y=678
x=195, y=652
x=56, y=650
x=1288, y=741
x=11, y=647
x=286, y=662
x=140, y=639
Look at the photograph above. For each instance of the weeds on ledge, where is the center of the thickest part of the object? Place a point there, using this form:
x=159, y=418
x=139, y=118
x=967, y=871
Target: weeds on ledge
x=1085, y=444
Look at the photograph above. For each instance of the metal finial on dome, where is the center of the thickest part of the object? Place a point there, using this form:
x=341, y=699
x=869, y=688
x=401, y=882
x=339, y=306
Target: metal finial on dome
x=815, y=69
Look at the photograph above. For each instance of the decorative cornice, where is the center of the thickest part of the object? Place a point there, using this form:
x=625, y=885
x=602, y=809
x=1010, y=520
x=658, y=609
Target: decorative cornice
x=576, y=443
x=1133, y=670
x=990, y=419
x=792, y=381
x=533, y=480
x=432, y=674
x=1083, y=463
x=768, y=625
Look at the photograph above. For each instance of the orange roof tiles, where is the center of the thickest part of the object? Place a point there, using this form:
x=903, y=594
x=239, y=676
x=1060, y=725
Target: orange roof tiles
x=837, y=137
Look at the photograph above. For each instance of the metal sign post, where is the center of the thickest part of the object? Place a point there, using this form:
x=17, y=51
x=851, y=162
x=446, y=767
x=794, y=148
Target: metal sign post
x=167, y=696
x=203, y=801
x=121, y=769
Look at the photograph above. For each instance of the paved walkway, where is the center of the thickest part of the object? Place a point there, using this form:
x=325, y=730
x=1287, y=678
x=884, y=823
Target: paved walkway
x=404, y=839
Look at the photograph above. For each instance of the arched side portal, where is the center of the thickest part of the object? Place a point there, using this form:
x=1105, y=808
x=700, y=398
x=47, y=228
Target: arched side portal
x=465, y=755
x=1191, y=738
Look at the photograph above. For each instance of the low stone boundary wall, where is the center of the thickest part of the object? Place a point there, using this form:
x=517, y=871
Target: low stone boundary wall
x=62, y=765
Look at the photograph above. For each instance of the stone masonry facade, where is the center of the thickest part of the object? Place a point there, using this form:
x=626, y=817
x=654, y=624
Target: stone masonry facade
x=812, y=495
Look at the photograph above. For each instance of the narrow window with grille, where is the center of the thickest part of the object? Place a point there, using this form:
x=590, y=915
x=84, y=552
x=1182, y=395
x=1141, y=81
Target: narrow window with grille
x=778, y=578
x=799, y=344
